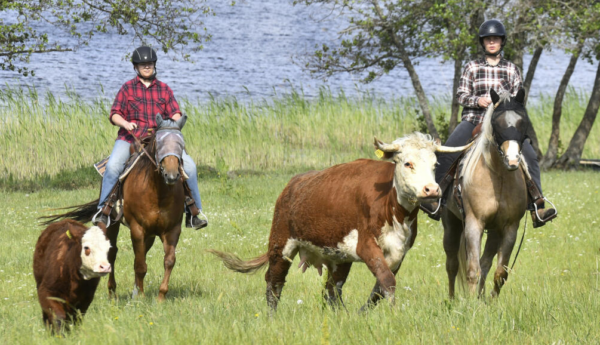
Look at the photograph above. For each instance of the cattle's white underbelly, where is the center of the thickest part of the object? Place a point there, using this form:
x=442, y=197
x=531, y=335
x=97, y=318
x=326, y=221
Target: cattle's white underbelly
x=311, y=255
x=393, y=241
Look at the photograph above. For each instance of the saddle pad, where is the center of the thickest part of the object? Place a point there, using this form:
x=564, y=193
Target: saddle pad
x=101, y=166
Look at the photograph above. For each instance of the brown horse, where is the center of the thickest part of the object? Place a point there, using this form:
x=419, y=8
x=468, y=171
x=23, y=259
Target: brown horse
x=153, y=205
x=494, y=196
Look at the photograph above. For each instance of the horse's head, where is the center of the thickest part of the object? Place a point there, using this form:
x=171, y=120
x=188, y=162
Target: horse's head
x=510, y=124
x=169, y=148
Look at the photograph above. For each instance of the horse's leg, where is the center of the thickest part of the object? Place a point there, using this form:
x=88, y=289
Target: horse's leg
x=112, y=232
x=507, y=244
x=335, y=281
x=491, y=247
x=453, y=228
x=473, y=233
x=139, y=265
x=169, y=240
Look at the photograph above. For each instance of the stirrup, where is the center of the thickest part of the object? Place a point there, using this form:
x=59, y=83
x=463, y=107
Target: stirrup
x=435, y=215
x=96, y=215
x=538, y=215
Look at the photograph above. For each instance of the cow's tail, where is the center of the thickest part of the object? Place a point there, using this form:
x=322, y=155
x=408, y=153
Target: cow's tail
x=463, y=264
x=81, y=213
x=234, y=263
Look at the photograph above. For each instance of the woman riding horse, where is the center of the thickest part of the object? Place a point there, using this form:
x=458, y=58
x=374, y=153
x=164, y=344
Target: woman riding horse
x=479, y=76
x=135, y=108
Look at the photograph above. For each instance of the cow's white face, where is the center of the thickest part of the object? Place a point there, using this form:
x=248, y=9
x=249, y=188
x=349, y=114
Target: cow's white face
x=94, y=254
x=414, y=175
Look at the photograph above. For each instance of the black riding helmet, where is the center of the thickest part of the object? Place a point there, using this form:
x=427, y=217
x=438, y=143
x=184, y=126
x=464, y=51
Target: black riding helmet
x=144, y=54
x=492, y=27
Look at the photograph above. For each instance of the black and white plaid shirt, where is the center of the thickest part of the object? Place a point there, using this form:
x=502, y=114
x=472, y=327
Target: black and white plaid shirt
x=478, y=78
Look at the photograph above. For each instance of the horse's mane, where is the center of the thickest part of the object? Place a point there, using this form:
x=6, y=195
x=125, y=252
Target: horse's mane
x=145, y=164
x=483, y=144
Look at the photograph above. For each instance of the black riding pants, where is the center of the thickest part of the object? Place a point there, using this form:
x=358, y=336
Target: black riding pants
x=461, y=136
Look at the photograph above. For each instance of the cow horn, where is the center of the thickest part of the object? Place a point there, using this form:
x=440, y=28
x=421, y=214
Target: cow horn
x=386, y=147
x=449, y=149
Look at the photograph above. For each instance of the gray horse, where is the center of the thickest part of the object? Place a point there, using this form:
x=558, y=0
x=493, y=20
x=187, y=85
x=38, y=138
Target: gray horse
x=494, y=197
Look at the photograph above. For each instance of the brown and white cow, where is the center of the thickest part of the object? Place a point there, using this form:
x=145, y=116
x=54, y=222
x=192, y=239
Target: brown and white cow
x=362, y=211
x=68, y=261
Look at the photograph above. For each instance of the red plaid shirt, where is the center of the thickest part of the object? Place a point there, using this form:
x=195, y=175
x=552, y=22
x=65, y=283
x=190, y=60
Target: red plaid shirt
x=478, y=78
x=139, y=104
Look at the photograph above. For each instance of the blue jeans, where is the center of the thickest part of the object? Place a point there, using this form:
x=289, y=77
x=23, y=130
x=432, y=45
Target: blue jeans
x=116, y=164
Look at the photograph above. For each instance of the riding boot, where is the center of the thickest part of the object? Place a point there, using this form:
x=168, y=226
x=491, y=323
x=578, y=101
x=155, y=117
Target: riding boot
x=539, y=214
x=191, y=215
x=103, y=216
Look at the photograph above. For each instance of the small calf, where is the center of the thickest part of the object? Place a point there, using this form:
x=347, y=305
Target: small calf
x=68, y=261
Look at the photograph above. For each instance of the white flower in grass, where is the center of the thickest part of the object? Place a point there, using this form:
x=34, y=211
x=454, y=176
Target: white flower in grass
x=300, y=302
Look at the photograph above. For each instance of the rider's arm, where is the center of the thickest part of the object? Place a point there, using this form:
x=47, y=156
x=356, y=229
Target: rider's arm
x=172, y=107
x=118, y=120
x=465, y=91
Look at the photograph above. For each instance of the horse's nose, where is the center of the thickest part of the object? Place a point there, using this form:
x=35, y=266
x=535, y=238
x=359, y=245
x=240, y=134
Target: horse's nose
x=171, y=178
x=431, y=190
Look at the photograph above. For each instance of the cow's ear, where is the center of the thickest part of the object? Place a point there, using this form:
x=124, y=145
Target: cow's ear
x=388, y=155
x=494, y=96
x=520, y=95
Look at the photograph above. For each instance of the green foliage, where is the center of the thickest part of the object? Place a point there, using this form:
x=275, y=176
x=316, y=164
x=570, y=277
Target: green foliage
x=170, y=25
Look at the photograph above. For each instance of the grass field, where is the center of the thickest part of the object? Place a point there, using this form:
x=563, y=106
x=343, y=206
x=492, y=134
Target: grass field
x=551, y=297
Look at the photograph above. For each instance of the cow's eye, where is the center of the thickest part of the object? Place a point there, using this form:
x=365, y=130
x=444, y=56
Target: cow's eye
x=408, y=165
x=88, y=251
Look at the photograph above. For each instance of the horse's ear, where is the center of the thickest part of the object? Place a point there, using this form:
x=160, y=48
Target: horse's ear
x=494, y=96
x=181, y=121
x=520, y=95
x=159, y=120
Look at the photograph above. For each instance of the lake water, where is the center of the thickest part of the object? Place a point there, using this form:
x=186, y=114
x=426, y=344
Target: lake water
x=251, y=57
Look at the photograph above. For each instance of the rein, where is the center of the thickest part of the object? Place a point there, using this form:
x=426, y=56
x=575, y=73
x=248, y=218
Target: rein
x=144, y=149
x=520, y=243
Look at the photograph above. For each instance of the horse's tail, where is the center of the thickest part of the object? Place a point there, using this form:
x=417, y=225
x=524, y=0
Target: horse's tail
x=236, y=264
x=81, y=213
x=462, y=264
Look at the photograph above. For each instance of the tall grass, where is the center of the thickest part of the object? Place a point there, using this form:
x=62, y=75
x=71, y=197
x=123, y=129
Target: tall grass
x=42, y=136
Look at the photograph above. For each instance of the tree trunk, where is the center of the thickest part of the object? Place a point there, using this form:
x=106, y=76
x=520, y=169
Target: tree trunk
x=570, y=159
x=458, y=62
x=476, y=19
x=414, y=77
x=531, y=71
x=423, y=102
x=551, y=153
